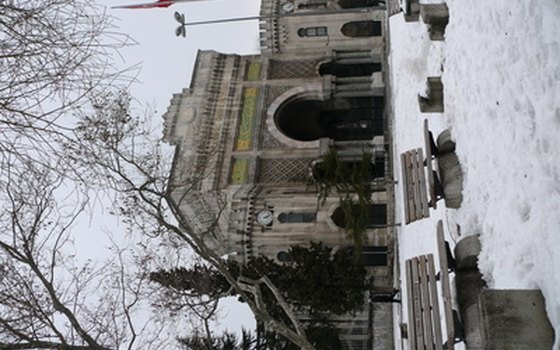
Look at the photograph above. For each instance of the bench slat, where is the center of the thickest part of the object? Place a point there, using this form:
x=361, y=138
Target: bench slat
x=423, y=190
x=435, y=303
x=445, y=286
x=426, y=304
x=417, y=180
x=406, y=185
x=418, y=321
x=411, y=329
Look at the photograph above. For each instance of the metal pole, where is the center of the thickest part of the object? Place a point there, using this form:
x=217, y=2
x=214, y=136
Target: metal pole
x=274, y=16
x=225, y=20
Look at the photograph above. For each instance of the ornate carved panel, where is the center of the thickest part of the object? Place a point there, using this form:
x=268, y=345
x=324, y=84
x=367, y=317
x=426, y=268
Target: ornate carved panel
x=291, y=69
x=274, y=91
x=268, y=141
x=283, y=170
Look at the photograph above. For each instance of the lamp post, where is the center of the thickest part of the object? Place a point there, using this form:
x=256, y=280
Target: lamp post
x=182, y=31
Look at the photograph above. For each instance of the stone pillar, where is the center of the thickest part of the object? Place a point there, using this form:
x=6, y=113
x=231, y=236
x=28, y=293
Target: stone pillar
x=515, y=319
x=433, y=101
x=436, y=16
x=497, y=319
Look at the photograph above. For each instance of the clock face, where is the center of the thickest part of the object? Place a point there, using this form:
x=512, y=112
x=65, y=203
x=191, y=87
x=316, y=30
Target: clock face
x=264, y=217
x=288, y=7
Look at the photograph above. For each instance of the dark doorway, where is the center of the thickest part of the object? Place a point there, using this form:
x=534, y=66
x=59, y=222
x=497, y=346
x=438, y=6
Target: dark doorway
x=377, y=216
x=359, y=119
x=374, y=256
x=347, y=4
x=349, y=70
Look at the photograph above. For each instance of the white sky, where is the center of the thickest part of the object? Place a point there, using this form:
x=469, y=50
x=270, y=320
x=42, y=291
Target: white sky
x=167, y=61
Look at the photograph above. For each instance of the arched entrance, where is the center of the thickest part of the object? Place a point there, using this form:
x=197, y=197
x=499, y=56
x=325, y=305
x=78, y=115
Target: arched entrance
x=302, y=120
x=341, y=119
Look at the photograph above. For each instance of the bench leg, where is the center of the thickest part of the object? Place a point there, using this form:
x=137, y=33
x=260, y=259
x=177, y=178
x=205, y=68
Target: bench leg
x=451, y=265
x=458, y=325
x=459, y=335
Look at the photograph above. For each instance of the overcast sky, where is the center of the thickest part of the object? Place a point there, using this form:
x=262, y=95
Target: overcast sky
x=167, y=61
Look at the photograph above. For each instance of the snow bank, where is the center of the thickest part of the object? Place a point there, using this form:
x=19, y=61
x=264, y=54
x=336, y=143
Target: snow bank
x=501, y=74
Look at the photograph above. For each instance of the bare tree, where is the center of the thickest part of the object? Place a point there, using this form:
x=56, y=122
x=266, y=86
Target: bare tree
x=47, y=301
x=128, y=158
x=53, y=54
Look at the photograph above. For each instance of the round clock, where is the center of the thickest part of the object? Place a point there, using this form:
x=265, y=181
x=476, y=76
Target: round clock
x=264, y=217
x=288, y=7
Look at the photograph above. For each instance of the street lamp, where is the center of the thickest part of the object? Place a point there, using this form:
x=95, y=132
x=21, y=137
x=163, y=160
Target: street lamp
x=180, y=30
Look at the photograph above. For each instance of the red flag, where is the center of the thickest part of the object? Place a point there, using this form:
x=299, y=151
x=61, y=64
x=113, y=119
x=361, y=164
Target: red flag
x=158, y=3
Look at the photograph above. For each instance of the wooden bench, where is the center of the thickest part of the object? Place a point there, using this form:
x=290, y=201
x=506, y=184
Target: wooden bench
x=424, y=322
x=414, y=186
x=435, y=189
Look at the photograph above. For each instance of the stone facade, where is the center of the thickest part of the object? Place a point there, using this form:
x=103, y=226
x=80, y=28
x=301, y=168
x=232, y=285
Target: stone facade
x=249, y=129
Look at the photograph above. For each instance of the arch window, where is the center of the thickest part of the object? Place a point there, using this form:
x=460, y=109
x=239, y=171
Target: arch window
x=348, y=4
x=294, y=218
x=312, y=5
x=312, y=31
x=361, y=29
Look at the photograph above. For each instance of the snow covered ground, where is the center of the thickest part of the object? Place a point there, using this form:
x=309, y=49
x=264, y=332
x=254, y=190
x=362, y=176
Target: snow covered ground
x=500, y=66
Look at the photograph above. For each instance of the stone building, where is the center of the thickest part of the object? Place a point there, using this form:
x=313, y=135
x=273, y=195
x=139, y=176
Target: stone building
x=250, y=129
